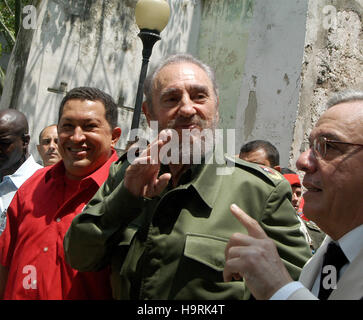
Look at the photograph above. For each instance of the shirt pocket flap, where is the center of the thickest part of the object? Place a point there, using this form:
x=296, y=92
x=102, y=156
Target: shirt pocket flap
x=127, y=236
x=206, y=249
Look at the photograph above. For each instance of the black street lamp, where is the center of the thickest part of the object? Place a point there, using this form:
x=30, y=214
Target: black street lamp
x=151, y=17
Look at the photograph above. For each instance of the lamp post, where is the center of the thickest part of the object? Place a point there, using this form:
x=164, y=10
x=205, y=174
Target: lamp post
x=151, y=17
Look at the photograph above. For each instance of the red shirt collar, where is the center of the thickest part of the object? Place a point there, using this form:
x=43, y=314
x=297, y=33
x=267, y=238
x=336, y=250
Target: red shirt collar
x=97, y=176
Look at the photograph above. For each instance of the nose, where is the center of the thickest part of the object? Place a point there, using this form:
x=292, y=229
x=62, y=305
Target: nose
x=306, y=161
x=187, y=108
x=53, y=145
x=294, y=197
x=78, y=135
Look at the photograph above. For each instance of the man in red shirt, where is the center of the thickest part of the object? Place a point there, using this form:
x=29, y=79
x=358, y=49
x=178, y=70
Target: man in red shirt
x=32, y=264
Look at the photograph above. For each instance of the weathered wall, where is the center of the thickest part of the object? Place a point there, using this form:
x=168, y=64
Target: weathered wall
x=270, y=85
x=255, y=46
x=223, y=40
x=333, y=61
x=90, y=43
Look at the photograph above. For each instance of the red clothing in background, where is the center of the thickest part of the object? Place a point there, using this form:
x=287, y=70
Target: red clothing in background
x=31, y=245
x=301, y=210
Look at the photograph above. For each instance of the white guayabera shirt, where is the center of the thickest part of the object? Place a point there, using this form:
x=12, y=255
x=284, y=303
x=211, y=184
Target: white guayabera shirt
x=12, y=183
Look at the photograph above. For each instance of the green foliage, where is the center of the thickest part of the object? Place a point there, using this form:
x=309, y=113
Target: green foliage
x=10, y=18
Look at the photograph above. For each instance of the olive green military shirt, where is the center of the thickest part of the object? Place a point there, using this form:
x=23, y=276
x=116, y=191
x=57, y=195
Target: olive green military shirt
x=172, y=246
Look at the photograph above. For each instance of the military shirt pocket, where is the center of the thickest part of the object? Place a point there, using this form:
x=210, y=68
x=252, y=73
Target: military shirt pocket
x=206, y=249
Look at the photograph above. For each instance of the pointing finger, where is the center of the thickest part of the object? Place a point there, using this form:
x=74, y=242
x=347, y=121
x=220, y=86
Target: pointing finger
x=252, y=226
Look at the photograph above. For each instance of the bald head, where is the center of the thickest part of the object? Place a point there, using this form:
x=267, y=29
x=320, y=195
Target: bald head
x=14, y=140
x=15, y=120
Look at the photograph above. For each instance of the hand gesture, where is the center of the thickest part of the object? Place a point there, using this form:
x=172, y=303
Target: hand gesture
x=254, y=258
x=141, y=177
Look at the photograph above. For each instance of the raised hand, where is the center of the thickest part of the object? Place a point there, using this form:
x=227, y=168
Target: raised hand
x=141, y=177
x=254, y=258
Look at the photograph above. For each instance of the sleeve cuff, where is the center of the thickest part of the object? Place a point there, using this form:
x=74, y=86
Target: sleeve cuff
x=287, y=290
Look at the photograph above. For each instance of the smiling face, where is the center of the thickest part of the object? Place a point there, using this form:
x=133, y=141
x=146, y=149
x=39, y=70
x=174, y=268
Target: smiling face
x=334, y=199
x=183, y=98
x=85, y=137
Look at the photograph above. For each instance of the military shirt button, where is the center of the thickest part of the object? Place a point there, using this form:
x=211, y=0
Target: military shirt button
x=58, y=219
x=45, y=249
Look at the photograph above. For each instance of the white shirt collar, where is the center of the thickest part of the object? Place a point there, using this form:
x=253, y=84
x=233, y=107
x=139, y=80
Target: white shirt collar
x=24, y=171
x=352, y=242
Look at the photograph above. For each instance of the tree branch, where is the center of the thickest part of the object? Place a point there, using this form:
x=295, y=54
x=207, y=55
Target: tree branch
x=7, y=5
x=8, y=35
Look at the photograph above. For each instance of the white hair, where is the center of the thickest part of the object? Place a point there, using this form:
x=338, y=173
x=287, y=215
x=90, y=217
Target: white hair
x=344, y=96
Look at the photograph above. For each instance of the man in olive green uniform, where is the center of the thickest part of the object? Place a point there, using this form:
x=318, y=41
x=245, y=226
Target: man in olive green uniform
x=164, y=226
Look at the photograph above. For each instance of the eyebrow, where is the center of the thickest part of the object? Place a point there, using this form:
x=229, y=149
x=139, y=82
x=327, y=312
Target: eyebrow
x=8, y=136
x=82, y=120
x=192, y=87
x=168, y=91
x=199, y=88
x=329, y=136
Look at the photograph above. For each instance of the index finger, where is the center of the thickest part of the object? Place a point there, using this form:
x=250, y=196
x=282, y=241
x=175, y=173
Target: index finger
x=252, y=226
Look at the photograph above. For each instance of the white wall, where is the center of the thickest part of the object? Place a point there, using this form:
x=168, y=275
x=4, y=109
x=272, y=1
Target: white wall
x=270, y=85
x=98, y=46
x=93, y=46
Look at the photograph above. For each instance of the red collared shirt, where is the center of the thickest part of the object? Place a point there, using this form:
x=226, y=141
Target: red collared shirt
x=31, y=245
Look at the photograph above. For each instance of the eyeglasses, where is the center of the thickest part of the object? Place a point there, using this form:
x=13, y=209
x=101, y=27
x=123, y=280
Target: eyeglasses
x=319, y=145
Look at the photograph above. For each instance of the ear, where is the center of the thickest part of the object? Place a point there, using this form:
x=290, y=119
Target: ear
x=217, y=111
x=116, y=134
x=145, y=109
x=217, y=116
x=38, y=148
x=26, y=139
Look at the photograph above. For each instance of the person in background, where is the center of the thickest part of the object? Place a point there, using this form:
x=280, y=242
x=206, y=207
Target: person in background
x=16, y=164
x=313, y=235
x=333, y=180
x=267, y=156
x=295, y=184
x=261, y=152
x=32, y=264
x=48, y=145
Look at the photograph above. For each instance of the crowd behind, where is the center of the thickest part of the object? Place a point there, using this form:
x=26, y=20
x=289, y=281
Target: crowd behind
x=88, y=224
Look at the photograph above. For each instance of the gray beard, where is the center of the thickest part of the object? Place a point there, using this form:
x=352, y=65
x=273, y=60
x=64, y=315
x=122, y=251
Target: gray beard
x=193, y=146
